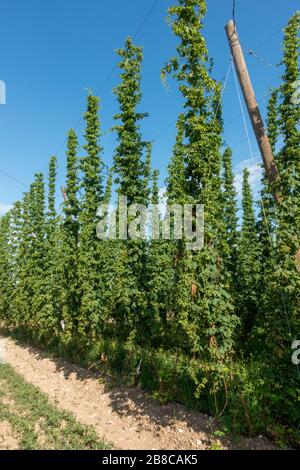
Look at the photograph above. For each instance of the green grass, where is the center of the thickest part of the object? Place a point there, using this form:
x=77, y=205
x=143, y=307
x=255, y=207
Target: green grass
x=36, y=423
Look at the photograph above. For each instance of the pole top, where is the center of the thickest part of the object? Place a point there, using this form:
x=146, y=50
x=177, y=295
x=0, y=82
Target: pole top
x=230, y=25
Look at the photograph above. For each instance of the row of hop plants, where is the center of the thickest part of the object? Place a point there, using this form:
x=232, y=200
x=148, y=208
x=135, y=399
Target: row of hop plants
x=207, y=328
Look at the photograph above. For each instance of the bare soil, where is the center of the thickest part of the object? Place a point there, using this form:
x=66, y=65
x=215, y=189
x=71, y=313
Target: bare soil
x=8, y=441
x=127, y=417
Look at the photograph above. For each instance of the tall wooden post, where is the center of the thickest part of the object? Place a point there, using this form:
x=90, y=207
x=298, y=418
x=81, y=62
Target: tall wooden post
x=252, y=106
x=254, y=112
x=63, y=191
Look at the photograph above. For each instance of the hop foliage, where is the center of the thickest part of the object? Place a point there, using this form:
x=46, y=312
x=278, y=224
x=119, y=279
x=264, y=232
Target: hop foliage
x=207, y=327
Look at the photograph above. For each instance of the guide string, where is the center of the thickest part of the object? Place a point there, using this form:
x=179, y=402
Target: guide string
x=262, y=205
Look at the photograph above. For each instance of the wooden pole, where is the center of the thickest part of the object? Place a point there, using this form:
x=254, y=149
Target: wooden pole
x=64, y=194
x=254, y=112
x=252, y=106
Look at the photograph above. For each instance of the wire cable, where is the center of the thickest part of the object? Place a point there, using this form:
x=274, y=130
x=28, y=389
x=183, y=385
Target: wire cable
x=263, y=61
x=262, y=204
x=230, y=68
x=145, y=19
x=13, y=178
x=111, y=72
x=265, y=41
x=233, y=10
x=98, y=91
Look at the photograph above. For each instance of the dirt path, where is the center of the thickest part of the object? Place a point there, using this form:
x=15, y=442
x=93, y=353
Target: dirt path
x=128, y=418
x=8, y=440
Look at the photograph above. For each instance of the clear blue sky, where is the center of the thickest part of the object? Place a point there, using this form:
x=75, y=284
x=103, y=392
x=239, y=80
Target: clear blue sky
x=52, y=51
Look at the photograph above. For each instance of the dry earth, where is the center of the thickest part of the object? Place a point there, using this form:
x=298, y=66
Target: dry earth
x=8, y=441
x=126, y=417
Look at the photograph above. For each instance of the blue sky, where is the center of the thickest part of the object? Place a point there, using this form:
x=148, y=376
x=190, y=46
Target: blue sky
x=52, y=52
